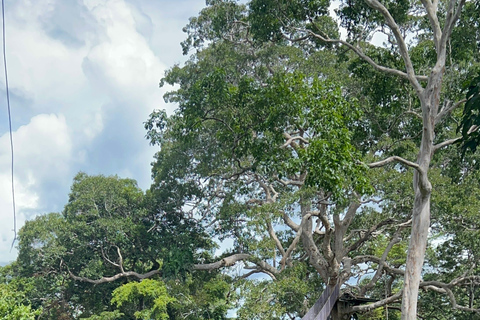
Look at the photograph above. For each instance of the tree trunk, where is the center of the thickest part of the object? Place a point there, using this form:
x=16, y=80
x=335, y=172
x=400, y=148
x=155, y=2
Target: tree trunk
x=416, y=255
x=430, y=99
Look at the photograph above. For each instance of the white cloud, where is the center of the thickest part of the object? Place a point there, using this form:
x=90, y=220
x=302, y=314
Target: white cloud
x=42, y=153
x=124, y=62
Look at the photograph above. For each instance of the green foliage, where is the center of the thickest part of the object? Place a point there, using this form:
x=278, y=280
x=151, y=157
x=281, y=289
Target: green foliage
x=248, y=121
x=106, y=315
x=202, y=296
x=14, y=305
x=294, y=292
x=471, y=118
x=267, y=23
x=146, y=300
x=213, y=22
x=358, y=17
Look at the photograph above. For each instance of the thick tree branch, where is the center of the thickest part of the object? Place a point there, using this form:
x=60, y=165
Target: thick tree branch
x=261, y=266
x=231, y=260
x=275, y=239
x=452, y=16
x=431, y=9
x=293, y=182
x=378, y=304
x=120, y=259
x=290, y=249
x=402, y=46
x=254, y=271
x=225, y=262
x=446, y=289
x=452, y=141
x=289, y=222
x=291, y=141
x=352, y=210
x=108, y=260
x=295, y=241
x=317, y=259
x=446, y=143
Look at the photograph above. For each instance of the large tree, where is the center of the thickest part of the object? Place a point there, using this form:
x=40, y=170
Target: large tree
x=432, y=21
x=263, y=145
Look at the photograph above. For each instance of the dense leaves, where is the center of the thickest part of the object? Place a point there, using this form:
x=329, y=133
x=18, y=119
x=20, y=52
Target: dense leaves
x=471, y=118
x=145, y=300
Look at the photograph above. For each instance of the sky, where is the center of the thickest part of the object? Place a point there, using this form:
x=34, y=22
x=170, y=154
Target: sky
x=83, y=77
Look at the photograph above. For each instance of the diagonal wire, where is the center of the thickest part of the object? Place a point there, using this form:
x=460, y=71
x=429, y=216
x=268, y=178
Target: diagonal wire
x=9, y=124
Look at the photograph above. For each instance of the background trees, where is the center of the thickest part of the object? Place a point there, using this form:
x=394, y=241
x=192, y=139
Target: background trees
x=81, y=262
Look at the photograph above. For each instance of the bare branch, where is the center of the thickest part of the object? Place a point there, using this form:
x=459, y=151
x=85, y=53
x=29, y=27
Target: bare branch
x=290, y=249
x=108, y=260
x=295, y=241
x=446, y=143
x=368, y=234
x=231, y=260
x=452, y=141
x=366, y=58
x=352, y=209
x=289, y=222
x=398, y=159
x=261, y=266
x=298, y=183
x=369, y=258
x=379, y=272
x=120, y=259
x=416, y=114
x=402, y=46
x=452, y=16
x=139, y=276
x=446, y=289
x=259, y=270
x=290, y=140
x=254, y=271
x=225, y=262
x=447, y=110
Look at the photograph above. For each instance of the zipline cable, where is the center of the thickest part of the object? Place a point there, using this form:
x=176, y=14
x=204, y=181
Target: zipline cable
x=9, y=124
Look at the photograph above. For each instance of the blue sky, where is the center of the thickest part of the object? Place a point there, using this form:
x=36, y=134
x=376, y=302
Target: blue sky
x=83, y=78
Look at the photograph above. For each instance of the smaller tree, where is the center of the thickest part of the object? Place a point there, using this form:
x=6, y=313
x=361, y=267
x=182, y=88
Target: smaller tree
x=14, y=303
x=147, y=299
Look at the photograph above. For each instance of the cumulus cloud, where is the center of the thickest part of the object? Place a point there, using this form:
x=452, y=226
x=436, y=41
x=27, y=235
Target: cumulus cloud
x=42, y=156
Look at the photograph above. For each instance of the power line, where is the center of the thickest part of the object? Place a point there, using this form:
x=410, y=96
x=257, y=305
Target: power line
x=9, y=124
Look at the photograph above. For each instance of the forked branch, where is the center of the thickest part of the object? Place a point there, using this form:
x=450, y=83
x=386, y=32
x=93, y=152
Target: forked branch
x=388, y=160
